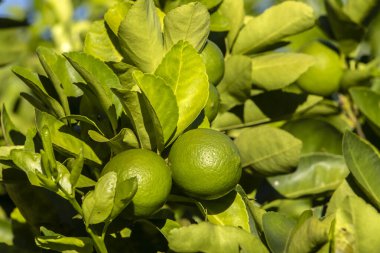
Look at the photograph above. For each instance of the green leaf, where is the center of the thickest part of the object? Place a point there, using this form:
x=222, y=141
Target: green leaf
x=356, y=227
x=75, y=165
x=115, y=15
x=229, y=210
x=310, y=233
x=54, y=67
x=141, y=37
x=33, y=81
x=29, y=162
x=100, y=80
x=325, y=137
x=236, y=84
x=190, y=22
x=233, y=10
x=10, y=132
x=63, y=138
x=276, y=70
x=219, y=22
x=164, y=106
x=269, y=28
x=368, y=102
x=278, y=229
x=65, y=244
x=359, y=10
x=135, y=108
x=98, y=204
x=124, y=192
x=184, y=71
x=125, y=139
x=363, y=161
x=99, y=44
x=315, y=174
x=274, y=151
x=196, y=238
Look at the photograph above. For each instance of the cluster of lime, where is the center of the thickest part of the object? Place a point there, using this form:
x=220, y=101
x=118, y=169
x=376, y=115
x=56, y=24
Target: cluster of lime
x=203, y=163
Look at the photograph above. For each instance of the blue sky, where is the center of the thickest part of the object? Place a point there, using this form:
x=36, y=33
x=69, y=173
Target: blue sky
x=4, y=6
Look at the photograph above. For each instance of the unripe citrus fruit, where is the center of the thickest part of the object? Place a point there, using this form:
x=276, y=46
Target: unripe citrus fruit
x=213, y=101
x=205, y=163
x=153, y=179
x=324, y=76
x=214, y=60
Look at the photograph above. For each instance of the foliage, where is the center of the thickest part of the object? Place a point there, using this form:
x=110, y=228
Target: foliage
x=310, y=163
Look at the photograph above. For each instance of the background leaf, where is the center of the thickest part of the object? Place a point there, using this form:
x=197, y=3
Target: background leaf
x=277, y=70
x=315, y=174
x=274, y=151
x=363, y=161
x=368, y=102
x=270, y=28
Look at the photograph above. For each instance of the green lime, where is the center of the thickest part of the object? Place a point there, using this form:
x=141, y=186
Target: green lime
x=153, y=179
x=324, y=76
x=214, y=60
x=205, y=163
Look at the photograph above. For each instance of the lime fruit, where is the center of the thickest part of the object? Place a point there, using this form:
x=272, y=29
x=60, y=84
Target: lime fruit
x=214, y=60
x=213, y=102
x=153, y=179
x=205, y=163
x=324, y=76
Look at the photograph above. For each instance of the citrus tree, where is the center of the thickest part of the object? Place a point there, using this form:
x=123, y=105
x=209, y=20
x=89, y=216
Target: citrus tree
x=202, y=126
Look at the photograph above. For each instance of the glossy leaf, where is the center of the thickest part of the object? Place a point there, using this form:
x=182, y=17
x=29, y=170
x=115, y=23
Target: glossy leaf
x=229, y=210
x=356, y=227
x=164, y=106
x=363, y=161
x=316, y=173
x=190, y=22
x=100, y=79
x=140, y=36
x=184, y=71
x=278, y=229
x=277, y=70
x=236, y=84
x=195, y=238
x=29, y=162
x=65, y=141
x=98, y=204
x=99, y=44
x=270, y=28
x=274, y=151
x=325, y=138
x=368, y=102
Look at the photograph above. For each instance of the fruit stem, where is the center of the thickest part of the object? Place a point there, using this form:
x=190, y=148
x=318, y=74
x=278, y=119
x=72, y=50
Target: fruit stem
x=351, y=113
x=99, y=244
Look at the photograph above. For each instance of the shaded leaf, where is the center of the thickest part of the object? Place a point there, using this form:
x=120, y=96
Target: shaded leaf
x=116, y=14
x=63, y=139
x=124, y=192
x=269, y=27
x=219, y=22
x=363, y=160
x=278, y=229
x=273, y=150
x=315, y=174
x=10, y=132
x=190, y=22
x=124, y=140
x=65, y=244
x=196, y=238
x=233, y=10
x=368, y=102
x=277, y=70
